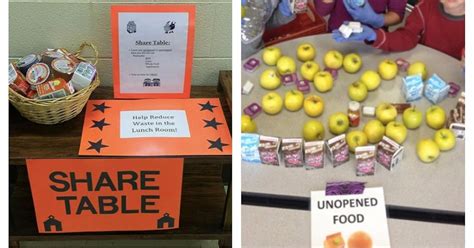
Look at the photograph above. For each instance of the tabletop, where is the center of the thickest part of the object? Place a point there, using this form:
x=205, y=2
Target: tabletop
x=274, y=227
x=439, y=185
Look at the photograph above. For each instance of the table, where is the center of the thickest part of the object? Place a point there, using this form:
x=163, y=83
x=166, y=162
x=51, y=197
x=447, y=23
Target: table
x=274, y=227
x=439, y=185
x=205, y=207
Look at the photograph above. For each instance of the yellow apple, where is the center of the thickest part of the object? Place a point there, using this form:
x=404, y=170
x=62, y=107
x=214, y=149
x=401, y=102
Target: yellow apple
x=309, y=69
x=313, y=105
x=357, y=91
x=294, y=100
x=445, y=139
x=313, y=130
x=412, y=118
x=248, y=125
x=427, y=150
x=356, y=138
x=352, y=63
x=271, y=55
x=272, y=103
x=396, y=131
x=286, y=65
x=371, y=79
x=418, y=68
x=374, y=129
x=323, y=81
x=435, y=117
x=269, y=79
x=305, y=52
x=386, y=112
x=333, y=59
x=388, y=69
x=338, y=123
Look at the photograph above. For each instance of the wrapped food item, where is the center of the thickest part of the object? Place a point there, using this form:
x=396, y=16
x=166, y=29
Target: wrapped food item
x=389, y=153
x=334, y=241
x=249, y=143
x=253, y=110
x=292, y=152
x=37, y=74
x=16, y=81
x=53, y=89
x=457, y=118
x=338, y=150
x=63, y=68
x=26, y=62
x=268, y=149
x=83, y=76
x=365, y=157
x=303, y=86
x=314, y=154
x=49, y=55
x=252, y=64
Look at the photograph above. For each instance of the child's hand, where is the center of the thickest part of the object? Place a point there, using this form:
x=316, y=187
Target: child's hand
x=365, y=14
x=284, y=8
x=368, y=34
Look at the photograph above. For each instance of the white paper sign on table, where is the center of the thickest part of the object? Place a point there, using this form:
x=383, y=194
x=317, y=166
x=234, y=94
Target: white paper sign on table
x=337, y=221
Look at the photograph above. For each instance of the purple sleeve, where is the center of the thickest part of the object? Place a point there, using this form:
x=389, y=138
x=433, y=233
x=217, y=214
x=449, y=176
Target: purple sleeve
x=322, y=8
x=397, y=6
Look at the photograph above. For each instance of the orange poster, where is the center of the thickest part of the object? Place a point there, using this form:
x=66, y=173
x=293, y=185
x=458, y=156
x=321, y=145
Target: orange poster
x=155, y=127
x=152, y=50
x=96, y=195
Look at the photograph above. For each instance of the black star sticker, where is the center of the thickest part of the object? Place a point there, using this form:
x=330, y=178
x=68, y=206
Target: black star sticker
x=101, y=107
x=212, y=123
x=96, y=145
x=207, y=106
x=216, y=144
x=100, y=124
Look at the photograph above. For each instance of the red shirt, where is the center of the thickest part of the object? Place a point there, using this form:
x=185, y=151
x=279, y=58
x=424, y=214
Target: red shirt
x=429, y=25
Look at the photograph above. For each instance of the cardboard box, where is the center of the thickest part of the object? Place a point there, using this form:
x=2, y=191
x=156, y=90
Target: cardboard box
x=53, y=89
x=389, y=153
x=337, y=150
x=365, y=157
x=292, y=152
x=268, y=149
x=314, y=155
x=436, y=89
x=412, y=88
x=249, y=147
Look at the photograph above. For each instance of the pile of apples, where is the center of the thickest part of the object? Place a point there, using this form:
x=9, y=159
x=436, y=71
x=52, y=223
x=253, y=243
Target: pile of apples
x=385, y=123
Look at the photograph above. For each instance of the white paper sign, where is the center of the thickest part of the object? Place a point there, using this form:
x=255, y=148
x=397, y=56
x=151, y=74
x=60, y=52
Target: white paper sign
x=342, y=220
x=153, y=123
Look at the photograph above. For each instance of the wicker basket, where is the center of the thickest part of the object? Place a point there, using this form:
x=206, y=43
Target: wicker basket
x=54, y=111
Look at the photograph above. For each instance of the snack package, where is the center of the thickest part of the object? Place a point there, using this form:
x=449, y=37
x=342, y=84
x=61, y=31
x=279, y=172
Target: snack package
x=53, y=89
x=292, y=152
x=249, y=143
x=337, y=150
x=365, y=157
x=268, y=149
x=314, y=155
x=16, y=81
x=457, y=117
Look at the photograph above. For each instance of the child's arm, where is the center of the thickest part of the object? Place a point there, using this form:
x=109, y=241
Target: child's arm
x=404, y=38
x=324, y=7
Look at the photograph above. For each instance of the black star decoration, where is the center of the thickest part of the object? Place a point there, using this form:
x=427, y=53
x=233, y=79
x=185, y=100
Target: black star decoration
x=100, y=124
x=217, y=144
x=207, y=106
x=96, y=145
x=101, y=107
x=212, y=123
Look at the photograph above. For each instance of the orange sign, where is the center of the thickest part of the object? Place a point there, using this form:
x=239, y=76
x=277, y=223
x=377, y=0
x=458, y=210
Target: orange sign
x=95, y=195
x=155, y=127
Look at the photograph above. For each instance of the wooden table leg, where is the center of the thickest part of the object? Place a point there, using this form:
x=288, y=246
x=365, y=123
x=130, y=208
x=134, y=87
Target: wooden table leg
x=225, y=243
x=14, y=244
x=227, y=225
